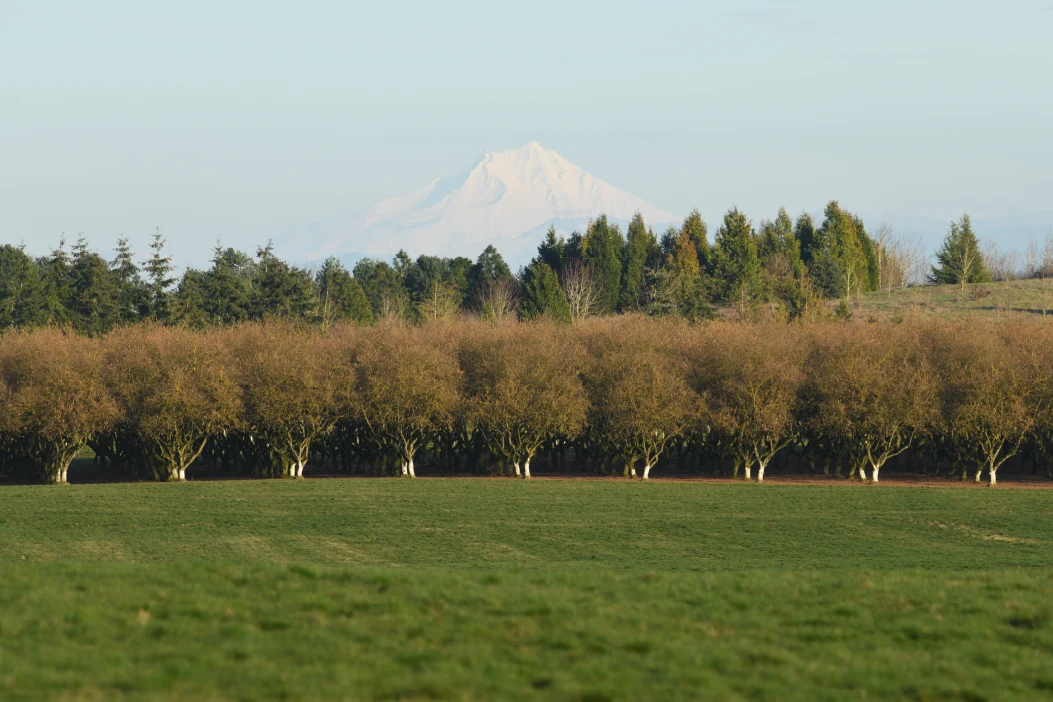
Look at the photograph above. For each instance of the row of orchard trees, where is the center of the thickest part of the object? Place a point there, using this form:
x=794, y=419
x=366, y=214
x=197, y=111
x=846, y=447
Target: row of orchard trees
x=154, y=400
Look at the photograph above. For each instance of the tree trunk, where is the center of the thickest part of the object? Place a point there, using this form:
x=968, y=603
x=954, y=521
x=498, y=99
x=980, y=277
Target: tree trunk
x=646, y=471
x=979, y=472
x=515, y=464
x=405, y=469
x=748, y=467
x=412, y=474
x=875, y=469
x=761, y=465
x=526, y=468
x=992, y=472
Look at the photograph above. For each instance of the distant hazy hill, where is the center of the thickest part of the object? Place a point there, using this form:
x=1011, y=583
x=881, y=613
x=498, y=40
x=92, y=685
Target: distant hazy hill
x=508, y=199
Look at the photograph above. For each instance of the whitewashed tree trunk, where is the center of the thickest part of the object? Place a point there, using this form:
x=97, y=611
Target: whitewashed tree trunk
x=515, y=464
x=875, y=469
x=64, y=481
x=526, y=468
x=992, y=472
x=979, y=472
x=761, y=465
x=405, y=470
x=748, y=466
x=646, y=471
x=182, y=474
x=412, y=474
x=863, y=472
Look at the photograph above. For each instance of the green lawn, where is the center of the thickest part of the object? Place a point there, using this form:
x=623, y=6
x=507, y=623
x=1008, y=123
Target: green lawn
x=502, y=589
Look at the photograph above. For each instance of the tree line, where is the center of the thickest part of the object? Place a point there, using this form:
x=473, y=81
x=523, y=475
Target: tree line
x=622, y=395
x=793, y=265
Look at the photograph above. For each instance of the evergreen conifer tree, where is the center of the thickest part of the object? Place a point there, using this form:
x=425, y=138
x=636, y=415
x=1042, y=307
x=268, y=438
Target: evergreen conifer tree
x=21, y=289
x=736, y=267
x=94, y=301
x=228, y=286
x=603, y=254
x=959, y=261
x=807, y=238
x=57, y=286
x=159, y=279
x=340, y=296
x=842, y=253
x=550, y=250
x=542, y=294
x=695, y=229
x=640, y=247
x=131, y=293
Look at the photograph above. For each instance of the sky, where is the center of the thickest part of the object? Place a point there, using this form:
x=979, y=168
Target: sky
x=240, y=120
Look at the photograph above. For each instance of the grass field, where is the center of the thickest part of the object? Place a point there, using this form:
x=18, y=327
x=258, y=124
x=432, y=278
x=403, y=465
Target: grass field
x=483, y=589
x=1014, y=299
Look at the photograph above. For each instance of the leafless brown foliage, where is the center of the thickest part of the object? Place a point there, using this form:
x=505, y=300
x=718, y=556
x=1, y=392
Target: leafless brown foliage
x=175, y=389
x=988, y=392
x=753, y=383
x=583, y=290
x=57, y=395
x=406, y=389
x=522, y=387
x=291, y=382
x=872, y=387
x=640, y=398
x=639, y=390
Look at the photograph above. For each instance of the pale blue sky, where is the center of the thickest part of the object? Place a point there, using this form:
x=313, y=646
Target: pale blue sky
x=242, y=119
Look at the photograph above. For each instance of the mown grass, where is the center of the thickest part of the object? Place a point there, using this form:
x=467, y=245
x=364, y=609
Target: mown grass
x=500, y=589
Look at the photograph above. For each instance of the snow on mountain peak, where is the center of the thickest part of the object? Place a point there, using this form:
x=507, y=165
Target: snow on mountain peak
x=507, y=199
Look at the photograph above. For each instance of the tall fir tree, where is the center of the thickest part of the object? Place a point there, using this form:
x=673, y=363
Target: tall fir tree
x=131, y=293
x=542, y=295
x=551, y=250
x=228, y=286
x=778, y=245
x=841, y=258
x=489, y=268
x=21, y=289
x=380, y=282
x=281, y=291
x=57, y=285
x=95, y=295
x=807, y=238
x=959, y=261
x=873, y=274
x=341, y=298
x=603, y=254
x=158, y=280
x=640, y=247
x=187, y=304
x=696, y=230
x=736, y=267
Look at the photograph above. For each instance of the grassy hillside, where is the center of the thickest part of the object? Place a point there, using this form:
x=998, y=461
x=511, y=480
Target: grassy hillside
x=1009, y=298
x=501, y=589
x=1016, y=298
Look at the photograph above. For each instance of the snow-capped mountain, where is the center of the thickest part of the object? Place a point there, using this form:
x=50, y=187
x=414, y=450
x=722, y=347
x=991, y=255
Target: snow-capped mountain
x=508, y=199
